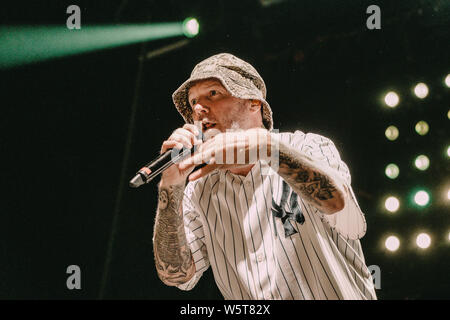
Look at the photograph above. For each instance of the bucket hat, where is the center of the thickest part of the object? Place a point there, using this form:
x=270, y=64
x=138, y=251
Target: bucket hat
x=239, y=77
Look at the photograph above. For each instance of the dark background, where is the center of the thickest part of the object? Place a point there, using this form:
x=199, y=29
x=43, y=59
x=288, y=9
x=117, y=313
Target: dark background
x=65, y=123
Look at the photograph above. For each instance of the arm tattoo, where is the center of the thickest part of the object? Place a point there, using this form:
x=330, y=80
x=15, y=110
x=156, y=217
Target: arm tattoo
x=173, y=258
x=309, y=181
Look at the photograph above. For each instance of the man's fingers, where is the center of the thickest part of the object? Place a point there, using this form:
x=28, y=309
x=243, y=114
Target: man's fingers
x=170, y=144
x=192, y=128
x=186, y=138
x=187, y=170
x=202, y=156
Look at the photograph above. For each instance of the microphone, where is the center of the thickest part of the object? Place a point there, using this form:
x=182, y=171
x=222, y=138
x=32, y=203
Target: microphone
x=154, y=168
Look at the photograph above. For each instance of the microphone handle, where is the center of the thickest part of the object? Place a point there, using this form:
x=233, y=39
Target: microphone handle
x=157, y=166
x=152, y=169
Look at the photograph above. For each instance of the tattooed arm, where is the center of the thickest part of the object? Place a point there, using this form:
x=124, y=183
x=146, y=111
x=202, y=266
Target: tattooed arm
x=173, y=258
x=310, y=180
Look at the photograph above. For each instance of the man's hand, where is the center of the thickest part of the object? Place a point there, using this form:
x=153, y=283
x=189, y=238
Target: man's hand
x=231, y=150
x=181, y=137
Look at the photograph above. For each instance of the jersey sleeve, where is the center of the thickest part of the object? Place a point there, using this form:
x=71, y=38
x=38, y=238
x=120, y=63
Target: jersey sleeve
x=350, y=221
x=195, y=236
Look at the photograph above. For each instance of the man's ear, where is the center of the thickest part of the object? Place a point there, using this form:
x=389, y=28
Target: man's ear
x=255, y=105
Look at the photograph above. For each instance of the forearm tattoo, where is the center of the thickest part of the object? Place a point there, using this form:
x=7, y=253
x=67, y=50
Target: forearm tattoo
x=173, y=258
x=308, y=181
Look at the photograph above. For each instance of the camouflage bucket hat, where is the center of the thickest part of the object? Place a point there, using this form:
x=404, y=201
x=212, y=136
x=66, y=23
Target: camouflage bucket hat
x=237, y=76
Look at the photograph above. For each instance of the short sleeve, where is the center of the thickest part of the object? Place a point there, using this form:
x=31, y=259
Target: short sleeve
x=350, y=221
x=195, y=236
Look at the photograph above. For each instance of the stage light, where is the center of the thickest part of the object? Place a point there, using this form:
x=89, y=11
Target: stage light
x=448, y=151
x=28, y=44
x=190, y=27
x=448, y=114
x=391, y=133
x=448, y=194
x=422, y=128
x=392, y=243
x=421, y=198
x=421, y=90
x=392, y=204
x=423, y=240
x=392, y=171
x=391, y=99
x=422, y=162
x=447, y=80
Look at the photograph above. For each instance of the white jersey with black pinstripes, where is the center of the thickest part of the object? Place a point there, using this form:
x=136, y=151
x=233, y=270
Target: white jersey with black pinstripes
x=230, y=226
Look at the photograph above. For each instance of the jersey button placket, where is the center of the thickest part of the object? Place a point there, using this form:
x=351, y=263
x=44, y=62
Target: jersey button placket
x=260, y=257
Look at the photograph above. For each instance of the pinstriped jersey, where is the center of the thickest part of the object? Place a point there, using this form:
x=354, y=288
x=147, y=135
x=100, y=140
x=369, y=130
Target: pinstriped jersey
x=231, y=226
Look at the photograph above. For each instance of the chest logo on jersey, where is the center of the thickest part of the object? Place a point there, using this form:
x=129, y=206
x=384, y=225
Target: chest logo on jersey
x=295, y=213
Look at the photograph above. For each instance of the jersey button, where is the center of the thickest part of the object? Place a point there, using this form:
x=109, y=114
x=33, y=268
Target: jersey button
x=260, y=257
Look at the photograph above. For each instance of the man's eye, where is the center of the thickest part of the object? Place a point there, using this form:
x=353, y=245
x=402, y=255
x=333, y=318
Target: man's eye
x=193, y=102
x=213, y=92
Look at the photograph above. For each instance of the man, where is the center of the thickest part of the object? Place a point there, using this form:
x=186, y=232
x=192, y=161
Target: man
x=290, y=234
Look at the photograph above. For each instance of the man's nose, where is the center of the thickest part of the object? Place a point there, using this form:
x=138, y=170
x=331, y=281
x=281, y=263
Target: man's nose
x=199, y=109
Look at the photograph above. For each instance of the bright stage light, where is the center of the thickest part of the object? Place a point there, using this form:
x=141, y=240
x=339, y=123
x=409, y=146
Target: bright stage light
x=448, y=114
x=421, y=198
x=392, y=243
x=421, y=90
x=448, y=151
x=190, y=27
x=391, y=99
x=448, y=194
x=422, y=128
x=391, y=133
x=447, y=80
x=392, y=171
x=423, y=240
x=422, y=162
x=29, y=44
x=392, y=204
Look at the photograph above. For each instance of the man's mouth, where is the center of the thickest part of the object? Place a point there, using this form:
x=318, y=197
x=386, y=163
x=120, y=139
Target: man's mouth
x=208, y=125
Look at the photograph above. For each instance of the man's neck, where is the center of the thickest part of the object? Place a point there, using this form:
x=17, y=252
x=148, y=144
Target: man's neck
x=242, y=171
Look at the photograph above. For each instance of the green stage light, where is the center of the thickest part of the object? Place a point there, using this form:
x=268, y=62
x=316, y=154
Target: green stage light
x=448, y=151
x=421, y=90
x=191, y=27
x=422, y=162
x=421, y=198
x=392, y=171
x=391, y=99
x=391, y=133
x=27, y=44
x=422, y=128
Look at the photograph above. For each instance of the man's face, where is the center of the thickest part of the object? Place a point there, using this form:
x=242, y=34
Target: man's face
x=214, y=106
